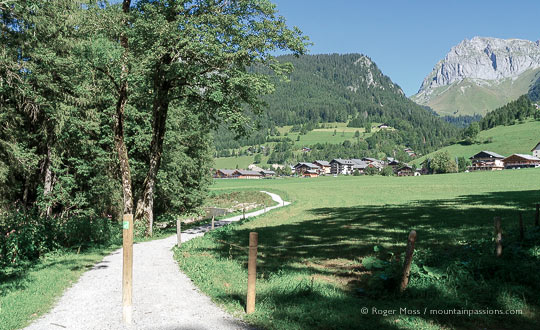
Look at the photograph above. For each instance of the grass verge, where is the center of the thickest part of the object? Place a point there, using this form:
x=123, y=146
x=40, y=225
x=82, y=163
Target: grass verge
x=336, y=253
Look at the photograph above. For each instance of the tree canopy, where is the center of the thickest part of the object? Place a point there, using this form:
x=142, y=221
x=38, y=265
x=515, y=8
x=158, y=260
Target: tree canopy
x=88, y=86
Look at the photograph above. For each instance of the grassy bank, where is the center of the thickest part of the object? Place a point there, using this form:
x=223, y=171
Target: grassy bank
x=504, y=140
x=338, y=248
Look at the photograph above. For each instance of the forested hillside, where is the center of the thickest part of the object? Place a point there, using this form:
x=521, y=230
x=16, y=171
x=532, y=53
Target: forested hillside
x=341, y=88
x=508, y=114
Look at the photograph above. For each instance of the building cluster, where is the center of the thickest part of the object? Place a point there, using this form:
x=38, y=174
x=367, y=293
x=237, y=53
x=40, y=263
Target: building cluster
x=482, y=161
x=243, y=174
x=340, y=166
x=491, y=161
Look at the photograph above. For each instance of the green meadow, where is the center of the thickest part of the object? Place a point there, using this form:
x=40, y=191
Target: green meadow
x=318, y=135
x=504, y=140
x=338, y=248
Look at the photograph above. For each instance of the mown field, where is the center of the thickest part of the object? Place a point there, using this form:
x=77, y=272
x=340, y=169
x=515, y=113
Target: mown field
x=339, y=248
x=504, y=140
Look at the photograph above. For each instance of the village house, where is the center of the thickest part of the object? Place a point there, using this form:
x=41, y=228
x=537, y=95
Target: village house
x=325, y=167
x=225, y=174
x=348, y=166
x=486, y=161
x=410, y=152
x=536, y=151
x=341, y=166
x=247, y=174
x=253, y=167
x=405, y=170
x=267, y=173
x=311, y=174
x=517, y=161
x=360, y=166
x=300, y=168
x=393, y=163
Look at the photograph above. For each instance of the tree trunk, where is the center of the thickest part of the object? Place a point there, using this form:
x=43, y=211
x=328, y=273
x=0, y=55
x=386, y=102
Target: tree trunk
x=48, y=180
x=119, y=142
x=160, y=108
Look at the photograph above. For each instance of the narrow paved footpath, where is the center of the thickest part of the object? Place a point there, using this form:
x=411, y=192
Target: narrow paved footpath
x=163, y=297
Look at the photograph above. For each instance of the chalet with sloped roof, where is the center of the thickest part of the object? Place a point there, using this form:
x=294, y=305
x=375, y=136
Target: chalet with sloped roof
x=225, y=174
x=405, y=170
x=324, y=166
x=302, y=167
x=517, y=161
x=486, y=161
x=267, y=173
x=246, y=174
x=310, y=174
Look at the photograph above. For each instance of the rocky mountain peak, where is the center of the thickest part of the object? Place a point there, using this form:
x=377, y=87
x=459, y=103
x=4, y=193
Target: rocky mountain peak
x=486, y=59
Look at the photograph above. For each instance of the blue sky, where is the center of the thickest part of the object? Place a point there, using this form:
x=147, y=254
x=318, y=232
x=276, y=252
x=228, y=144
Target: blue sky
x=407, y=38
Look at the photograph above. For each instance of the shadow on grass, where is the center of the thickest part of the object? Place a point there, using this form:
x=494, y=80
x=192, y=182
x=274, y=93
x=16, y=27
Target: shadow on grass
x=455, y=266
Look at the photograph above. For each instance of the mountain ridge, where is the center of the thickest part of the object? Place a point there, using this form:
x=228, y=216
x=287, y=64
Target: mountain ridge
x=499, y=70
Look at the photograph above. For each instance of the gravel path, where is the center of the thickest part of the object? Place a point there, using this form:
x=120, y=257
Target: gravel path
x=163, y=297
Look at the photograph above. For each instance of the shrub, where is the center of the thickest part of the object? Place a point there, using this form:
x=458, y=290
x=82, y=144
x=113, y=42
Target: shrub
x=24, y=237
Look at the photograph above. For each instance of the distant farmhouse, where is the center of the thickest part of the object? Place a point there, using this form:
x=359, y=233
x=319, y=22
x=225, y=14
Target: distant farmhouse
x=487, y=161
x=307, y=169
x=325, y=167
x=406, y=170
x=242, y=174
x=521, y=161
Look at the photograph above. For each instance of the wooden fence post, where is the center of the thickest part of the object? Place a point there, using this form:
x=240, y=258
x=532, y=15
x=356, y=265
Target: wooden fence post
x=498, y=237
x=521, y=229
x=537, y=215
x=127, y=267
x=408, y=260
x=178, y=232
x=213, y=217
x=244, y=214
x=252, y=272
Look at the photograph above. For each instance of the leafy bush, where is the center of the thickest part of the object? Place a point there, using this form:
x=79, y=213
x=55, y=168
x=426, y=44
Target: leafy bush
x=24, y=237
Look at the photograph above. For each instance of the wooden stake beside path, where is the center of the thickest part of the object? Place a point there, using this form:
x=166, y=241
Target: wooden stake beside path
x=252, y=272
x=178, y=232
x=127, y=268
x=408, y=260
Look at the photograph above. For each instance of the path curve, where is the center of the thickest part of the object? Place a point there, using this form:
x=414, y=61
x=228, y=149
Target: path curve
x=163, y=297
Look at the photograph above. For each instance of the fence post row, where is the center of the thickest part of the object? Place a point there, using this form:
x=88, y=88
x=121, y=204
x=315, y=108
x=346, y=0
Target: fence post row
x=408, y=260
x=127, y=267
x=498, y=236
x=252, y=272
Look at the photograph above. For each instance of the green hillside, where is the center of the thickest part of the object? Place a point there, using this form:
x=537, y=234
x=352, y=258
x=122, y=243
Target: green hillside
x=469, y=98
x=342, y=88
x=504, y=140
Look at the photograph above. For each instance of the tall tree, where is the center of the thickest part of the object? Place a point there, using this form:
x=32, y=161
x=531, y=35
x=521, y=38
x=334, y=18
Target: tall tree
x=197, y=54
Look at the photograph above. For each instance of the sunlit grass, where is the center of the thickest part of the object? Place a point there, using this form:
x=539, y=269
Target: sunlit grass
x=313, y=255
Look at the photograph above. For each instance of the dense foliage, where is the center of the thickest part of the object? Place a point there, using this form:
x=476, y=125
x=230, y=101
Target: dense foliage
x=510, y=113
x=106, y=108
